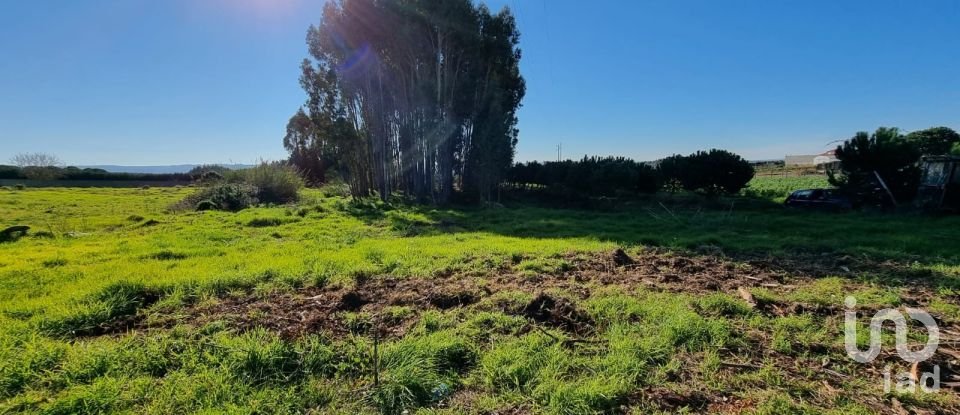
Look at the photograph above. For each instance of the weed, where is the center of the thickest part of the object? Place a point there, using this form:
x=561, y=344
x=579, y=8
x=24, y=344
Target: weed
x=268, y=222
x=55, y=262
x=167, y=255
x=94, y=313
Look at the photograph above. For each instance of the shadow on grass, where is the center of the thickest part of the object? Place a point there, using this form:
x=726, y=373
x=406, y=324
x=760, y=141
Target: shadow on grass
x=736, y=226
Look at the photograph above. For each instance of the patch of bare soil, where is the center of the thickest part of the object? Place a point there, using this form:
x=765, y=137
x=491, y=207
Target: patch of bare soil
x=324, y=309
x=558, y=312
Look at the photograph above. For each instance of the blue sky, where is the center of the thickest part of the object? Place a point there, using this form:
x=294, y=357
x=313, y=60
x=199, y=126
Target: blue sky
x=142, y=82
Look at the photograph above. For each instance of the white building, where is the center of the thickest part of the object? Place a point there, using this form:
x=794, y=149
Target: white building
x=814, y=160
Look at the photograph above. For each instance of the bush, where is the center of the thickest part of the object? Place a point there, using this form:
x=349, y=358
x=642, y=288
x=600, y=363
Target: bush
x=205, y=204
x=275, y=182
x=210, y=176
x=240, y=189
x=886, y=152
x=590, y=176
x=711, y=172
x=204, y=169
x=221, y=196
x=42, y=172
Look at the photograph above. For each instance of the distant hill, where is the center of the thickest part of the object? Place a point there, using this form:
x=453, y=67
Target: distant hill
x=179, y=168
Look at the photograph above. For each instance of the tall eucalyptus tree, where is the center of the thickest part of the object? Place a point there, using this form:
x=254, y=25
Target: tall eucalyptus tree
x=417, y=96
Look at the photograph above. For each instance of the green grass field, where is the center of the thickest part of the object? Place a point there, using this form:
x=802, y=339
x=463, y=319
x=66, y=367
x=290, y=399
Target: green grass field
x=115, y=304
x=778, y=188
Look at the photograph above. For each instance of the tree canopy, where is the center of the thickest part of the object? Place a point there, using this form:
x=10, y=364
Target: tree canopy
x=418, y=96
x=934, y=141
x=309, y=151
x=590, y=176
x=886, y=153
x=712, y=172
x=23, y=160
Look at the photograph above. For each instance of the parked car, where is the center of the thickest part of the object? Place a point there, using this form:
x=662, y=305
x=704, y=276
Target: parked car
x=826, y=199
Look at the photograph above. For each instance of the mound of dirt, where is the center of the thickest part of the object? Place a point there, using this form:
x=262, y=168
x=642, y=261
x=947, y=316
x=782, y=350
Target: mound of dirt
x=621, y=258
x=560, y=313
x=352, y=301
x=448, y=300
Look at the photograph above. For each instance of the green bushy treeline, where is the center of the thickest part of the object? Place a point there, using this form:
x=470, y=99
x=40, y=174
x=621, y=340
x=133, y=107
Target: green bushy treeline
x=76, y=173
x=711, y=172
x=594, y=176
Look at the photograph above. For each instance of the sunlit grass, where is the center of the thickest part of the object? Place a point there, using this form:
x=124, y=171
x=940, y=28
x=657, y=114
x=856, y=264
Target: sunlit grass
x=98, y=255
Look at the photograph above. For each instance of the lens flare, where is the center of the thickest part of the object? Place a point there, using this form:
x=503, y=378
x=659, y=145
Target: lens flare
x=268, y=10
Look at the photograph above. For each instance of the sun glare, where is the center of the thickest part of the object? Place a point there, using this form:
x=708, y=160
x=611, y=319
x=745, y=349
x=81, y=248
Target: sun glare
x=253, y=9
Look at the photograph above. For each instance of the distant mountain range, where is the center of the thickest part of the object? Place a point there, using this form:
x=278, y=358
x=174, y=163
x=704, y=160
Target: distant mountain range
x=179, y=168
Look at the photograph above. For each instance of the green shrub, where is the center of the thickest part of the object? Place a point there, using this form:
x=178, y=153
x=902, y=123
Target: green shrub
x=203, y=169
x=266, y=183
x=886, y=153
x=221, y=196
x=335, y=189
x=711, y=172
x=205, y=204
x=275, y=183
x=592, y=176
x=210, y=176
x=19, y=186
